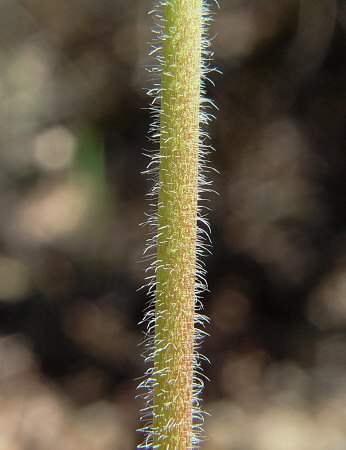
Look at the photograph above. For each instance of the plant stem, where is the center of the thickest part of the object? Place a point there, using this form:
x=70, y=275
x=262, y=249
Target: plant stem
x=172, y=414
x=174, y=356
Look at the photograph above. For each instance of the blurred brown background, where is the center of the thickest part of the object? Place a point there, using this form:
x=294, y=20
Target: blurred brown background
x=73, y=126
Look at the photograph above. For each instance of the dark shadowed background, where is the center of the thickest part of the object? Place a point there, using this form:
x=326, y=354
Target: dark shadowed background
x=73, y=127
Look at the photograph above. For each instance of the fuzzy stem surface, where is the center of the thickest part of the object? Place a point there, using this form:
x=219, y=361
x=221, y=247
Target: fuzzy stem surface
x=174, y=357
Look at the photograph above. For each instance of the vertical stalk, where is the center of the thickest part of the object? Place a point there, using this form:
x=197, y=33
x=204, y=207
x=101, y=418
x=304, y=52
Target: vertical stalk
x=173, y=382
x=177, y=225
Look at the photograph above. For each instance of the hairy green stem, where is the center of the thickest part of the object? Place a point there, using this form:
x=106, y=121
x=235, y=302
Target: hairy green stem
x=173, y=377
x=176, y=275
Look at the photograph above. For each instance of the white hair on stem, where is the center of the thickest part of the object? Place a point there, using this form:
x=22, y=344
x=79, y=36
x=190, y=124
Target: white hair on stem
x=156, y=342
